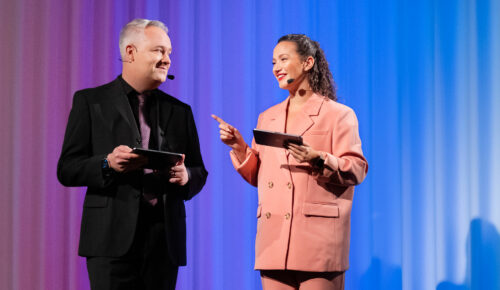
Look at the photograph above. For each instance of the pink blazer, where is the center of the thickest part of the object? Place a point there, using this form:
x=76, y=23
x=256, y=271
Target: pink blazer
x=304, y=215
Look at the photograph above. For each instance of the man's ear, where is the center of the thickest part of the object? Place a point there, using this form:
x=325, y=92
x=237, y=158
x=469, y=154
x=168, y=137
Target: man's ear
x=129, y=53
x=308, y=63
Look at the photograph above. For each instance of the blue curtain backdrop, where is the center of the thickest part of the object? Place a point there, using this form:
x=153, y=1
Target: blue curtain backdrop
x=422, y=76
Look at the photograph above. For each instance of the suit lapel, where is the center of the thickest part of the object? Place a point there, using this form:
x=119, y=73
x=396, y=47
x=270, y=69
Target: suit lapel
x=155, y=115
x=121, y=104
x=164, y=112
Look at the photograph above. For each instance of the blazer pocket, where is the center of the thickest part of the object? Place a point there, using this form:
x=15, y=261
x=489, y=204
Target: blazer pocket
x=259, y=211
x=316, y=132
x=92, y=200
x=319, y=209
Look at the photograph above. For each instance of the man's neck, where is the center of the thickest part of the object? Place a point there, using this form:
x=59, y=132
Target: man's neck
x=135, y=83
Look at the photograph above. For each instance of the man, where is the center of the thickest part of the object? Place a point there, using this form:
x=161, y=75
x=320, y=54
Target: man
x=133, y=230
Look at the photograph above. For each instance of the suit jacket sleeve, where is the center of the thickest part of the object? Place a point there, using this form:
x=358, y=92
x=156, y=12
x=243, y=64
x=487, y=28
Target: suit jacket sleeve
x=346, y=165
x=194, y=162
x=77, y=165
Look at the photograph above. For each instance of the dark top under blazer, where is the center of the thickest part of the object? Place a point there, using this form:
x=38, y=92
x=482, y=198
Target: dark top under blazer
x=100, y=120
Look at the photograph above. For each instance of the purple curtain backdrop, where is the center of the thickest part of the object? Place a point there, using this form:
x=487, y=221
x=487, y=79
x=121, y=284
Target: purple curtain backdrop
x=422, y=77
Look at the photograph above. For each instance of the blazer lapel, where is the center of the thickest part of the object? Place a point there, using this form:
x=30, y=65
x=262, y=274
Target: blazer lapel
x=302, y=124
x=305, y=121
x=277, y=123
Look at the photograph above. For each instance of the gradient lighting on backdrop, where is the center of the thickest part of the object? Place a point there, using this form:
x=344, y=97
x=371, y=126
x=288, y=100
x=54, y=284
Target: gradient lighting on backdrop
x=422, y=76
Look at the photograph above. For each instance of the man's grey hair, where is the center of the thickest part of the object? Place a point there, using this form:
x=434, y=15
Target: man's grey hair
x=134, y=30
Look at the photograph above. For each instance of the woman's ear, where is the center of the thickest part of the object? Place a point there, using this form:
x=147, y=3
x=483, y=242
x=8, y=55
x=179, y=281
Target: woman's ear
x=308, y=63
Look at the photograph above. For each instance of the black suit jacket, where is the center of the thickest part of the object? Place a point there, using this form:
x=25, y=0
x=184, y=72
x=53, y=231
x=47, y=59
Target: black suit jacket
x=100, y=120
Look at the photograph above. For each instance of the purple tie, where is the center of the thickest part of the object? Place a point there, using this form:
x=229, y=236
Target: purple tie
x=145, y=129
x=145, y=132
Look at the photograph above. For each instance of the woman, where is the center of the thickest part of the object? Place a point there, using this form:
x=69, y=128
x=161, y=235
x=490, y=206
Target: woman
x=305, y=191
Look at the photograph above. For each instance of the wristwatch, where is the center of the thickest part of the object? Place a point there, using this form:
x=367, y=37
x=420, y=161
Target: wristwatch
x=319, y=162
x=106, y=169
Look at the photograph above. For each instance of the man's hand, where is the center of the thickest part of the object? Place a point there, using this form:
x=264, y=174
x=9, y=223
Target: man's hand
x=178, y=174
x=232, y=138
x=123, y=160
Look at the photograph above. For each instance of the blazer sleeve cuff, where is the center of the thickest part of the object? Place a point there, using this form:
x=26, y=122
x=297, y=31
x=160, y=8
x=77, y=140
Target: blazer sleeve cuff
x=331, y=166
x=241, y=164
x=248, y=167
x=332, y=163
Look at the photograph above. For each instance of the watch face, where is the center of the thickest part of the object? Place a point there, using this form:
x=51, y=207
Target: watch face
x=105, y=164
x=319, y=162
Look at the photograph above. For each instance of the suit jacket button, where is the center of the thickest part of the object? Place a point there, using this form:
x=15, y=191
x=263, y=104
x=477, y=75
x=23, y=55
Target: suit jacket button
x=289, y=185
x=287, y=216
x=268, y=215
x=137, y=195
x=270, y=184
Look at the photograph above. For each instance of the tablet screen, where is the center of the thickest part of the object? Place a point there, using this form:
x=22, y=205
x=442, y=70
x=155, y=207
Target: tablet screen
x=275, y=139
x=158, y=159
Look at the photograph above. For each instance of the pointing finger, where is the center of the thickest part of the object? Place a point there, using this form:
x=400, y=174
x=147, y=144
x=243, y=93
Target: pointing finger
x=218, y=119
x=225, y=127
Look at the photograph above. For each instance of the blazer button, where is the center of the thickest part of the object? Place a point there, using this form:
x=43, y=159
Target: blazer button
x=287, y=216
x=268, y=215
x=270, y=184
x=289, y=185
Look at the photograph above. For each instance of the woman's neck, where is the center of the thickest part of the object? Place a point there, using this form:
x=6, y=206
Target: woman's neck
x=301, y=92
x=300, y=96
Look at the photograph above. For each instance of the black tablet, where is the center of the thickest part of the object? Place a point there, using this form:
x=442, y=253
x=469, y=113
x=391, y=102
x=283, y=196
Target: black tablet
x=275, y=139
x=158, y=159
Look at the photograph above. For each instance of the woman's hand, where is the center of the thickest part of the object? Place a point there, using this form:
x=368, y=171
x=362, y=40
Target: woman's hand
x=232, y=138
x=303, y=153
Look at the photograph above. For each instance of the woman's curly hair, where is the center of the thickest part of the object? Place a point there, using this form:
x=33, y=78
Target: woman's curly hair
x=320, y=77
